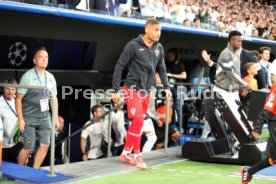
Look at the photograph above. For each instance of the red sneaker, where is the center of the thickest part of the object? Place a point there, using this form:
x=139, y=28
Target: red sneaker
x=127, y=159
x=140, y=164
x=245, y=176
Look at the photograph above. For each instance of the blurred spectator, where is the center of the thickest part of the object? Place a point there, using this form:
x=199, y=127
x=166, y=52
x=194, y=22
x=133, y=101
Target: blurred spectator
x=114, y=7
x=161, y=11
x=118, y=127
x=130, y=9
x=178, y=12
x=272, y=35
x=221, y=27
x=187, y=23
x=98, y=6
x=196, y=23
x=176, y=73
x=147, y=8
x=231, y=26
x=248, y=27
x=9, y=131
x=95, y=133
x=240, y=25
x=255, y=33
x=205, y=15
x=160, y=126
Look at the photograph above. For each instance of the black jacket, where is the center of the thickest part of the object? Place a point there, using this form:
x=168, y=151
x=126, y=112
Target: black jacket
x=142, y=64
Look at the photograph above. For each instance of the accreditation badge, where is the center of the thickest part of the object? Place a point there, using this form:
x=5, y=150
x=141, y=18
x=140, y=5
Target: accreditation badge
x=44, y=105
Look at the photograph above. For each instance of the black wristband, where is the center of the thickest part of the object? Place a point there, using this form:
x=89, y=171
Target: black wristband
x=83, y=153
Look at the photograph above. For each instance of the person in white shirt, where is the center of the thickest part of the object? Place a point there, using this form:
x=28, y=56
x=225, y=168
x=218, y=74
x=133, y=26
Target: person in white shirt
x=248, y=27
x=240, y=25
x=95, y=133
x=118, y=126
x=9, y=131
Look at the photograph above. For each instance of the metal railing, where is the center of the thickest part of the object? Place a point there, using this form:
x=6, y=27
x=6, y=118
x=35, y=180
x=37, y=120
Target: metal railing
x=54, y=117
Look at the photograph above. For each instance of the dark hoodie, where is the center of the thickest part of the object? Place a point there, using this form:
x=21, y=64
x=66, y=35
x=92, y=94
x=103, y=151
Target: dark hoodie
x=142, y=64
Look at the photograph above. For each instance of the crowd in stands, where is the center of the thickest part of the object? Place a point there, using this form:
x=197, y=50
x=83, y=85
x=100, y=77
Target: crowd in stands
x=251, y=18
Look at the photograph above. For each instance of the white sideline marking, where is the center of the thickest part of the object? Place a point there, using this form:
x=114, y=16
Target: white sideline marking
x=216, y=174
x=171, y=170
x=201, y=173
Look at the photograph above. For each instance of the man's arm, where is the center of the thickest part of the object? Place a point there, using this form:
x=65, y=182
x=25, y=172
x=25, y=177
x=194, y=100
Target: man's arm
x=123, y=60
x=18, y=107
x=55, y=111
x=182, y=75
x=82, y=147
x=105, y=127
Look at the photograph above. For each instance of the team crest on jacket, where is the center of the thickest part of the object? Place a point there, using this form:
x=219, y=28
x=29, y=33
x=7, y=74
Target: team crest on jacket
x=132, y=111
x=157, y=52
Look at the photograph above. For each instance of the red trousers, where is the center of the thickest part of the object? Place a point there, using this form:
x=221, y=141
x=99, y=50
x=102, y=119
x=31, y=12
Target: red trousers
x=137, y=105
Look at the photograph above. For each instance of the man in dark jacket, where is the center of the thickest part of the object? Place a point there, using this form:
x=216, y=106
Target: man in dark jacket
x=144, y=56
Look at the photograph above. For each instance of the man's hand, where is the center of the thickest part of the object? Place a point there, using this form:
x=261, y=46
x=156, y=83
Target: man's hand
x=245, y=91
x=206, y=57
x=21, y=124
x=169, y=75
x=84, y=157
x=115, y=97
x=168, y=94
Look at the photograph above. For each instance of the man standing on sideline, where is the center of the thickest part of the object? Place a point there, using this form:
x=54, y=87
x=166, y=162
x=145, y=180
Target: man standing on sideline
x=265, y=64
x=9, y=131
x=96, y=136
x=144, y=56
x=228, y=81
x=32, y=107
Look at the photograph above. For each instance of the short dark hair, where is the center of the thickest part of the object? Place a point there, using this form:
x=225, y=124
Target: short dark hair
x=37, y=50
x=262, y=49
x=233, y=33
x=10, y=81
x=196, y=19
x=151, y=22
x=175, y=52
x=186, y=20
x=94, y=108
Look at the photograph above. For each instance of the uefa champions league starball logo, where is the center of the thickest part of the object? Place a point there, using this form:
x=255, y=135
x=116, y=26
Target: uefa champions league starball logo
x=17, y=53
